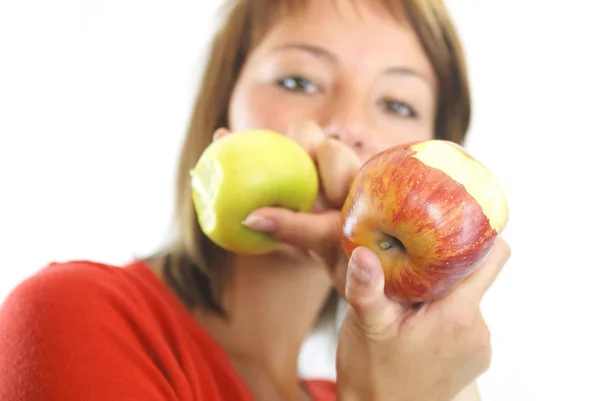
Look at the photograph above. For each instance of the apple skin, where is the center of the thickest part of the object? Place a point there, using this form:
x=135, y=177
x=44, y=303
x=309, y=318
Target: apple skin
x=244, y=171
x=429, y=211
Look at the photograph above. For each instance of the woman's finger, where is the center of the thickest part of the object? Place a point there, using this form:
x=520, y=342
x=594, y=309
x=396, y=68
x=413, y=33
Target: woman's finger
x=317, y=232
x=338, y=166
x=308, y=135
x=220, y=133
x=377, y=315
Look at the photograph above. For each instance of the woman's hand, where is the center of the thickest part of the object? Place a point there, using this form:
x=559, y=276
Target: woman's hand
x=387, y=352
x=318, y=232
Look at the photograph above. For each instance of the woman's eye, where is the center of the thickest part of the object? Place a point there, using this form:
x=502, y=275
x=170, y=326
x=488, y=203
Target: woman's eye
x=399, y=109
x=298, y=84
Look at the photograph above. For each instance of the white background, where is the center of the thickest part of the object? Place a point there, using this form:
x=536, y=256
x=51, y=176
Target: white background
x=94, y=101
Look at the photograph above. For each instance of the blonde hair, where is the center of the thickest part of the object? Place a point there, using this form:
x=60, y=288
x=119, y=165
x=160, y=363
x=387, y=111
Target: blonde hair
x=196, y=269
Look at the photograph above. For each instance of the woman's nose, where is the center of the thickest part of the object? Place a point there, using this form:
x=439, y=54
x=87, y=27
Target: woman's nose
x=347, y=121
x=351, y=134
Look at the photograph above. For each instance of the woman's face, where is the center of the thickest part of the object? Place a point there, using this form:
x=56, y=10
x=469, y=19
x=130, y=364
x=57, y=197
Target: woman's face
x=349, y=67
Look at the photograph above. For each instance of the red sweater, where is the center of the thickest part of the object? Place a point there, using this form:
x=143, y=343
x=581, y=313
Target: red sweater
x=86, y=331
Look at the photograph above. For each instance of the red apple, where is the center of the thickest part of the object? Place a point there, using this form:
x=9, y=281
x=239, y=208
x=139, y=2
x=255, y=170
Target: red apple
x=429, y=211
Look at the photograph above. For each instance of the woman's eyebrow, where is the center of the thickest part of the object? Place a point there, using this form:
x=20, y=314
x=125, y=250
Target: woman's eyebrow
x=406, y=71
x=309, y=48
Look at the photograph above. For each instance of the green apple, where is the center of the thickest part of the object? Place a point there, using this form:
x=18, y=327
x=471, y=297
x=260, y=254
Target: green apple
x=244, y=171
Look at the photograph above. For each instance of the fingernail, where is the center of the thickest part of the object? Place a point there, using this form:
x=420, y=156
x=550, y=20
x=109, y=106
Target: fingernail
x=361, y=274
x=219, y=133
x=259, y=223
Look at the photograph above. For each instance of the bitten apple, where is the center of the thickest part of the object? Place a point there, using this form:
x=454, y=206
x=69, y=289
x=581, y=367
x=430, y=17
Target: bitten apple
x=244, y=171
x=429, y=211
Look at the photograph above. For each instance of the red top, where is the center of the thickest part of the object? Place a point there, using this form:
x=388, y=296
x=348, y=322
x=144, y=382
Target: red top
x=88, y=331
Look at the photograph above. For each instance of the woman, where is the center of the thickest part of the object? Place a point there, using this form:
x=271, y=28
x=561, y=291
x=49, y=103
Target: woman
x=345, y=79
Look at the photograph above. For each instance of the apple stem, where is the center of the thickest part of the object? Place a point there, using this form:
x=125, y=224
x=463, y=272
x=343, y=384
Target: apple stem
x=385, y=245
x=391, y=242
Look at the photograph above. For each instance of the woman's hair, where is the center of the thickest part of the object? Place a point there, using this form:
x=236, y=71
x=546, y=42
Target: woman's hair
x=195, y=268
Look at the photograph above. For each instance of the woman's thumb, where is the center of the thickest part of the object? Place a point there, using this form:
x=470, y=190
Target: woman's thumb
x=375, y=314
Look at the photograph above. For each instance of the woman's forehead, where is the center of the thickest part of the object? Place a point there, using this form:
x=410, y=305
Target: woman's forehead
x=265, y=14
x=355, y=33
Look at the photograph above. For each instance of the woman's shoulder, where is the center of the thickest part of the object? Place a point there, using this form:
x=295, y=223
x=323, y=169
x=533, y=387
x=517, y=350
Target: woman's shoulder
x=60, y=285
x=73, y=287
x=74, y=296
x=87, y=324
x=65, y=302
